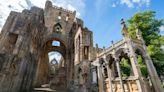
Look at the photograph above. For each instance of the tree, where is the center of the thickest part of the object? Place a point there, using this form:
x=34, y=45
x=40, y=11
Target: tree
x=149, y=26
x=125, y=67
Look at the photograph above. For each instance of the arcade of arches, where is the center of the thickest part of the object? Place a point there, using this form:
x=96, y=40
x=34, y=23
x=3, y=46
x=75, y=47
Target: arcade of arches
x=50, y=50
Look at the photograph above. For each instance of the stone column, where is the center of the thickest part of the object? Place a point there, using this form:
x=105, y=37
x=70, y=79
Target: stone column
x=120, y=76
x=136, y=69
x=153, y=75
x=108, y=70
x=137, y=72
x=109, y=75
x=151, y=69
x=100, y=79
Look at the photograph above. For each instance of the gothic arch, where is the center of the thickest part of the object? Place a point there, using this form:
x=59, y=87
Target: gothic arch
x=141, y=49
x=57, y=27
x=119, y=51
x=125, y=64
x=110, y=59
x=61, y=49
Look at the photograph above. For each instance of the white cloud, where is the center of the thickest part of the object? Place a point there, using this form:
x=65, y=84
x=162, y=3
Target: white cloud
x=113, y=5
x=127, y=2
x=100, y=4
x=18, y=5
x=162, y=28
x=135, y=3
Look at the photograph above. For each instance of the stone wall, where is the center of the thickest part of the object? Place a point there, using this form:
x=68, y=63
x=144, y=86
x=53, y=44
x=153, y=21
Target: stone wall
x=20, y=46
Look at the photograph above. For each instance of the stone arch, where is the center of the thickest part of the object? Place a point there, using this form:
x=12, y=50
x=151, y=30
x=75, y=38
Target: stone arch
x=119, y=51
x=141, y=49
x=61, y=48
x=110, y=59
x=42, y=74
x=125, y=63
x=58, y=37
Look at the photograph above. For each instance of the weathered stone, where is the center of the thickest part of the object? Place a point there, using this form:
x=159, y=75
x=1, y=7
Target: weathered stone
x=26, y=39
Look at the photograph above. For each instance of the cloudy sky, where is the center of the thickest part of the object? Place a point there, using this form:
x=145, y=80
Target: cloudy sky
x=100, y=16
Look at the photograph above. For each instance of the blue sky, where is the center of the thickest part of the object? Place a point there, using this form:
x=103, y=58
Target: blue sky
x=100, y=16
x=103, y=17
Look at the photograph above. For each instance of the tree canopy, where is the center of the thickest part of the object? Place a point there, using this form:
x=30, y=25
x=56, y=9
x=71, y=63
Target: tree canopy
x=149, y=26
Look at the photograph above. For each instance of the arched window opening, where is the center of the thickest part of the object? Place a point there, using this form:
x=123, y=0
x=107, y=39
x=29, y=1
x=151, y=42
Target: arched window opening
x=13, y=38
x=125, y=65
x=57, y=28
x=141, y=63
x=55, y=43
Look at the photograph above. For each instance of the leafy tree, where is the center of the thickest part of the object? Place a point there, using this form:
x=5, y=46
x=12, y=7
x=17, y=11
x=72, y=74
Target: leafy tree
x=142, y=66
x=149, y=26
x=125, y=67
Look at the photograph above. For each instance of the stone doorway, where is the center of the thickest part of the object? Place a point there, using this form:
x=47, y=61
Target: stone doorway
x=52, y=65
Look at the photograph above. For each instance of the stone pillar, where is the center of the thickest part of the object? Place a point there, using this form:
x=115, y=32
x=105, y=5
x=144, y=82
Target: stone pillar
x=151, y=69
x=100, y=79
x=109, y=77
x=120, y=76
x=153, y=75
x=136, y=69
x=108, y=71
x=137, y=72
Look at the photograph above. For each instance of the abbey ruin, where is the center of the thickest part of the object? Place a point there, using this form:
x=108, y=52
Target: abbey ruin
x=27, y=37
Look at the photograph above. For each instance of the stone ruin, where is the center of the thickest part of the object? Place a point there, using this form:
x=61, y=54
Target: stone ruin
x=27, y=37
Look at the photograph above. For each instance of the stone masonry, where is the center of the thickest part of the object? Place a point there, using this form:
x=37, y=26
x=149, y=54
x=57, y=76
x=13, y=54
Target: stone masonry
x=27, y=37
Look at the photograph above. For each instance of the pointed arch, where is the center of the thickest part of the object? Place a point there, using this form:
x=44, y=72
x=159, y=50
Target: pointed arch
x=57, y=27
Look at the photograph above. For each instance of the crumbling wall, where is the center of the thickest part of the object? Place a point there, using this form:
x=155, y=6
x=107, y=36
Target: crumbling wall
x=20, y=45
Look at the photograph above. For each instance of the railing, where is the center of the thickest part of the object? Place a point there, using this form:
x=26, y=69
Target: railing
x=109, y=49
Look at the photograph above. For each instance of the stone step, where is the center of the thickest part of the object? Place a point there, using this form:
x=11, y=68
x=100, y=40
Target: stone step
x=44, y=90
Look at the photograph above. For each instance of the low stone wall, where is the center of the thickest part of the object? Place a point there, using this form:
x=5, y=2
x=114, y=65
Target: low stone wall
x=130, y=85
